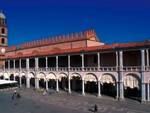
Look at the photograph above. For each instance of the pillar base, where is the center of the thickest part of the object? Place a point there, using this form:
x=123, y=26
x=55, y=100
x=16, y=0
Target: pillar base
x=143, y=101
x=121, y=99
x=83, y=94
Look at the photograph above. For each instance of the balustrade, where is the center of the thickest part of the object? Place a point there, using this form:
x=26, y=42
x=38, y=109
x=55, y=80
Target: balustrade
x=125, y=68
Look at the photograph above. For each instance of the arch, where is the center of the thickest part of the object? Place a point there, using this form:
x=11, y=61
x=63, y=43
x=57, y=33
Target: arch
x=61, y=75
x=90, y=77
x=75, y=75
x=1, y=74
x=51, y=75
x=41, y=75
x=22, y=74
x=31, y=75
x=3, y=30
x=132, y=80
x=6, y=75
x=16, y=74
x=108, y=78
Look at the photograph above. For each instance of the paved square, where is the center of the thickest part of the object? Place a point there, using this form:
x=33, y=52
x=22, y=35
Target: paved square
x=35, y=102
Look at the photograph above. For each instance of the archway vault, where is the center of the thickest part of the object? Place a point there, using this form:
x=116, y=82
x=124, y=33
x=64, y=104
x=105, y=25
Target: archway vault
x=90, y=77
x=132, y=80
x=51, y=76
x=108, y=78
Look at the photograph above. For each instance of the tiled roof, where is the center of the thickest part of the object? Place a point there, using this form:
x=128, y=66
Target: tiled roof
x=86, y=49
x=54, y=40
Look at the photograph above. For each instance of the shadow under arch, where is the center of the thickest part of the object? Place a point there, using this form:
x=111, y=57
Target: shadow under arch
x=42, y=80
x=91, y=83
x=108, y=85
x=76, y=82
x=63, y=81
x=51, y=78
x=132, y=86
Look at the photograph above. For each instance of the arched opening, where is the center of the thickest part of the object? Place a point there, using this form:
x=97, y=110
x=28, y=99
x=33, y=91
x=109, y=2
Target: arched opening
x=91, y=84
x=1, y=77
x=11, y=77
x=32, y=79
x=23, y=80
x=6, y=76
x=108, y=85
x=42, y=83
x=3, y=41
x=17, y=79
x=76, y=82
x=3, y=31
x=42, y=78
x=51, y=81
x=63, y=82
x=132, y=86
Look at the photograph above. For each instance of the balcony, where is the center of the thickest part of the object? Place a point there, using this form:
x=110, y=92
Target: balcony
x=85, y=69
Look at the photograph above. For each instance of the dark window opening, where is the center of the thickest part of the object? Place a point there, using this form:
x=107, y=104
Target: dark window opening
x=3, y=41
x=3, y=31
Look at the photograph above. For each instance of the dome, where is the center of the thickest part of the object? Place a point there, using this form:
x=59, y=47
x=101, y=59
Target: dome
x=2, y=15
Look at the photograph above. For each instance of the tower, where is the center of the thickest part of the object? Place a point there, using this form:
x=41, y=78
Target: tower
x=3, y=38
x=3, y=30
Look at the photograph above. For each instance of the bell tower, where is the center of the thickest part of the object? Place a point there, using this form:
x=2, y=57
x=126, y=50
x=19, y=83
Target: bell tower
x=3, y=30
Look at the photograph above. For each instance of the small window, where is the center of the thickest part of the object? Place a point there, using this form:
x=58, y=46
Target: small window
x=3, y=31
x=3, y=41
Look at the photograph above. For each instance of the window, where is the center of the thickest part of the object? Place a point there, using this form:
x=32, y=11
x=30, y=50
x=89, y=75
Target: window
x=3, y=41
x=3, y=31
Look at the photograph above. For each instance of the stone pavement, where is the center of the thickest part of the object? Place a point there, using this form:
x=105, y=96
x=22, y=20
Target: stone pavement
x=35, y=102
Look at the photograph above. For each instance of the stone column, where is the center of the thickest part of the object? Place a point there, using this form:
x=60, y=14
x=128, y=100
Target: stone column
x=99, y=89
x=148, y=92
x=69, y=62
x=8, y=64
x=121, y=89
x=142, y=75
x=147, y=57
x=46, y=63
x=20, y=64
x=14, y=69
x=20, y=81
x=83, y=89
x=36, y=63
x=69, y=86
x=28, y=82
x=57, y=63
x=57, y=85
x=36, y=83
x=27, y=64
x=117, y=59
x=82, y=55
x=98, y=60
x=117, y=88
x=47, y=85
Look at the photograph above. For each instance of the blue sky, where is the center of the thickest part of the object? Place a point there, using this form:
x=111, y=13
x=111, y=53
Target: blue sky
x=113, y=20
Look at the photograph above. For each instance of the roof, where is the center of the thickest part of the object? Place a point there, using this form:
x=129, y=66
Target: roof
x=85, y=35
x=80, y=50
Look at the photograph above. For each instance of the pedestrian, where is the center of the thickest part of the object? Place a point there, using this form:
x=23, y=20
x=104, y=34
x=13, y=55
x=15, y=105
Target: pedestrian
x=95, y=108
x=12, y=96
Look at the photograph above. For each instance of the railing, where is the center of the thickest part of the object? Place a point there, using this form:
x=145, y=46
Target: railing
x=132, y=68
x=125, y=68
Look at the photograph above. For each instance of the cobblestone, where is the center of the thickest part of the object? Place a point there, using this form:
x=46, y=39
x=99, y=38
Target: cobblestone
x=35, y=102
